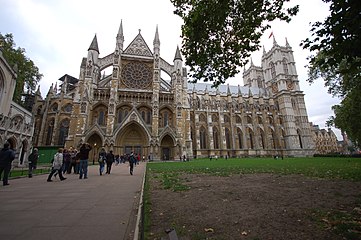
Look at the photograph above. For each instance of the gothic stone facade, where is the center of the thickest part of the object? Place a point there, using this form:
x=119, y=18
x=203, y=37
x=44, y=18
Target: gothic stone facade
x=325, y=140
x=16, y=123
x=135, y=108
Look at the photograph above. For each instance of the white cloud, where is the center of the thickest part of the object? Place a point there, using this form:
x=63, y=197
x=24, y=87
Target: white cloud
x=57, y=34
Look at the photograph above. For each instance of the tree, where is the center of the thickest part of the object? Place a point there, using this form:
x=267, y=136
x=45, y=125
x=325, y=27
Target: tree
x=336, y=47
x=348, y=116
x=28, y=75
x=219, y=35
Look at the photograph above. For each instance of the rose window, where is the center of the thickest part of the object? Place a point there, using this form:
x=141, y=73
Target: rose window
x=136, y=75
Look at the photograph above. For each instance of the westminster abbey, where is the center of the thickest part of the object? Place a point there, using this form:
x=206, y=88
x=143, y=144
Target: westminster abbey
x=135, y=108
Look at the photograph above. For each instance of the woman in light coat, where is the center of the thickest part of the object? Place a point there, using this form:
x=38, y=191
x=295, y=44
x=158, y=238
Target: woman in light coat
x=57, y=165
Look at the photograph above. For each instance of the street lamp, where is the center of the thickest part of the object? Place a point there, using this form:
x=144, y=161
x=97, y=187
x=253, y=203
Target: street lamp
x=94, y=147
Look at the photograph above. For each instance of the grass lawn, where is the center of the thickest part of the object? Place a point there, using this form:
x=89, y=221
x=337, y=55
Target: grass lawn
x=19, y=172
x=333, y=168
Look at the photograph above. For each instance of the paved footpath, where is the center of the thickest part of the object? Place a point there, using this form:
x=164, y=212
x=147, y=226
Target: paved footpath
x=100, y=207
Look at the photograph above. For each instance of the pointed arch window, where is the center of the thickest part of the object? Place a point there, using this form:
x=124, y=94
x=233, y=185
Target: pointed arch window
x=63, y=131
x=285, y=66
x=240, y=136
x=143, y=115
x=300, y=138
x=250, y=139
x=101, y=118
x=149, y=117
x=49, y=134
x=273, y=70
x=215, y=138
x=203, y=138
x=259, y=82
x=228, y=138
x=165, y=118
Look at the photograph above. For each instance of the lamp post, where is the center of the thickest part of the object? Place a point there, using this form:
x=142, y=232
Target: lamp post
x=94, y=147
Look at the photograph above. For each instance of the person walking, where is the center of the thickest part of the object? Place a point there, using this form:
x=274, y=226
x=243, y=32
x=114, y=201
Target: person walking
x=33, y=161
x=132, y=161
x=57, y=166
x=7, y=155
x=101, y=160
x=84, y=158
x=110, y=160
x=66, y=162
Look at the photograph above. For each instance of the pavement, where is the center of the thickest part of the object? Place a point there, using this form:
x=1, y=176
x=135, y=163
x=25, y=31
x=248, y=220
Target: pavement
x=100, y=207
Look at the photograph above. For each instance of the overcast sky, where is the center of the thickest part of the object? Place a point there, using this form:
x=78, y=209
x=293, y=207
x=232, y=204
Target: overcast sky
x=57, y=33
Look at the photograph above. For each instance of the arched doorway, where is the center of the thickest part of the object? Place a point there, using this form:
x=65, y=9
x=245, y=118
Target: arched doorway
x=167, y=145
x=132, y=138
x=96, y=142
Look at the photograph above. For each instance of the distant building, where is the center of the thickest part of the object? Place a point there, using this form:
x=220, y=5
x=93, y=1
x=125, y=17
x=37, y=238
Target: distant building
x=325, y=140
x=16, y=123
x=147, y=106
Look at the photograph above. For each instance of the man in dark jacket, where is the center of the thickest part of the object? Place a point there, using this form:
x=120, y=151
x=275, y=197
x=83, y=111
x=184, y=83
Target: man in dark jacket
x=33, y=161
x=84, y=158
x=110, y=160
x=7, y=155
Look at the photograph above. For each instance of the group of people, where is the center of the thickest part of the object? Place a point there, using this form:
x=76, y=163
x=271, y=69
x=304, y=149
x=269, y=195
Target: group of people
x=66, y=160
x=109, y=158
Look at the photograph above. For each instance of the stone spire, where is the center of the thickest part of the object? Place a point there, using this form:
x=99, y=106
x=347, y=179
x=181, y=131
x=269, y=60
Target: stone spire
x=94, y=45
x=287, y=44
x=274, y=40
x=178, y=55
x=156, y=42
x=120, y=36
x=228, y=90
x=156, y=37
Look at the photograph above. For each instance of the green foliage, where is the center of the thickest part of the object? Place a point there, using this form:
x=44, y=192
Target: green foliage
x=337, y=60
x=219, y=36
x=348, y=115
x=173, y=182
x=337, y=44
x=28, y=74
x=339, y=168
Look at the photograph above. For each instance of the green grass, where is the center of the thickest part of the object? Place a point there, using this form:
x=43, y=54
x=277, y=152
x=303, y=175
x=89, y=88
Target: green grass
x=19, y=172
x=331, y=168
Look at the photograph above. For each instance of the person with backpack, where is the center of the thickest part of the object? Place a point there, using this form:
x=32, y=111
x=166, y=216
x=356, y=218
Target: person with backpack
x=57, y=166
x=7, y=155
x=101, y=160
x=132, y=161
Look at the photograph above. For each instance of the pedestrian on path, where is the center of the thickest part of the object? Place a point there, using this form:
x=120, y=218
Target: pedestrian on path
x=7, y=155
x=101, y=160
x=57, y=166
x=84, y=158
x=33, y=161
x=132, y=161
x=110, y=160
